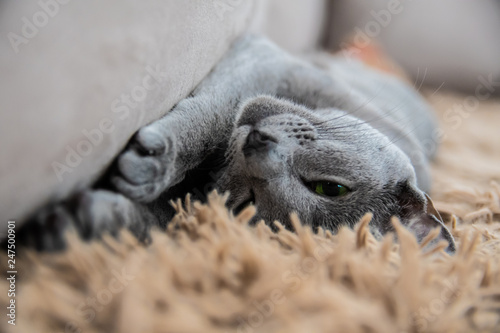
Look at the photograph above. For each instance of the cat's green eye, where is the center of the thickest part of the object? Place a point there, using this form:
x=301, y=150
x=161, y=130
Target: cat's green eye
x=329, y=189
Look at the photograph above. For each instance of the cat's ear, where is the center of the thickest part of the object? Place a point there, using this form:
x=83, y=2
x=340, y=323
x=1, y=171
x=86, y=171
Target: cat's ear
x=417, y=213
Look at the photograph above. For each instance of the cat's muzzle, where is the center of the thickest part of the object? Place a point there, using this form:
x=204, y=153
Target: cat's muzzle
x=258, y=141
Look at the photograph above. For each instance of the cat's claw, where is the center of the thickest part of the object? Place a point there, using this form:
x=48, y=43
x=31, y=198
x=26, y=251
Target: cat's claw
x=146, y=168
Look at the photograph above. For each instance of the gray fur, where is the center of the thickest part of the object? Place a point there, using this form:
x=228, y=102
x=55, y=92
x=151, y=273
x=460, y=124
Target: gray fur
x=313, y=119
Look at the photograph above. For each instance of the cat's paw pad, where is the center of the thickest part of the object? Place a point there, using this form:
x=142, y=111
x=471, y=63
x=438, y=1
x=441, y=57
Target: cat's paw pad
x=99, y=212
x=103, y=212
x=146, y=167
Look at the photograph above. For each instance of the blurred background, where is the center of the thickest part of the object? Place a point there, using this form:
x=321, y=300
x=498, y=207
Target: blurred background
x=78, y=78
x=447, y=44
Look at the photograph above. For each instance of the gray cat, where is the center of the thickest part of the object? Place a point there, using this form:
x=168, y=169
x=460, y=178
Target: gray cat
x=324, y=137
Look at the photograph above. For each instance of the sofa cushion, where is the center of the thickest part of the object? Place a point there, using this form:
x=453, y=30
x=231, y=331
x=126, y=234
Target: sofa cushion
x=80, y=77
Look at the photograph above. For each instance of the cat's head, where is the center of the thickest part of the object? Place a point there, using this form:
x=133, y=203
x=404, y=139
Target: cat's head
x=327, y=166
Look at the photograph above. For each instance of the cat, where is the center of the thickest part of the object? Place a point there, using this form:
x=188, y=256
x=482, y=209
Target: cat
x=321, y=136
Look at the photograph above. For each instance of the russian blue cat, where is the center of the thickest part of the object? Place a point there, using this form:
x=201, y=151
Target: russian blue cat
x=322, y=136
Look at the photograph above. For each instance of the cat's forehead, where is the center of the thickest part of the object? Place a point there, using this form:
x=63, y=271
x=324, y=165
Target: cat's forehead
x=358, y=158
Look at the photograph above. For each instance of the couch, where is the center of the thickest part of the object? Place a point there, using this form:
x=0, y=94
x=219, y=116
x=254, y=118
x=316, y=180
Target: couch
x=80, y=77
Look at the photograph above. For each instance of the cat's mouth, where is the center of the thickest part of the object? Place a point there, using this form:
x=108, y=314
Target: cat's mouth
x=245, y=203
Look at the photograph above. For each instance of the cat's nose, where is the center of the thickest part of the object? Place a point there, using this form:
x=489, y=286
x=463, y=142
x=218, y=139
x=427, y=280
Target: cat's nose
x=257, y=142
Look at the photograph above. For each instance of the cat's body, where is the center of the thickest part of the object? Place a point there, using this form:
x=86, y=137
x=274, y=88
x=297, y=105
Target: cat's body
x=327, y=138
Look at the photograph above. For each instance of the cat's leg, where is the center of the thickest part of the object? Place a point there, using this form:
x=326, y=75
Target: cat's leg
x=90, y=214
x=161, y=153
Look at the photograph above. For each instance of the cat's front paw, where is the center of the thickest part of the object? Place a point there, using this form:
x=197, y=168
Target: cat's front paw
x=147, y=167
x=90, y=214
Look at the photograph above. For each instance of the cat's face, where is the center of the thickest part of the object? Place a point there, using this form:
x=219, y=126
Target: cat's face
x=327, y=166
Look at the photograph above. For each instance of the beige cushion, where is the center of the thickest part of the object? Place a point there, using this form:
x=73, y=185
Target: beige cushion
x=80, y=77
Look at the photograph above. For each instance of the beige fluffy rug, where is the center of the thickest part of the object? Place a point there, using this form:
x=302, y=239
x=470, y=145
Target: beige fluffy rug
x=212, y=273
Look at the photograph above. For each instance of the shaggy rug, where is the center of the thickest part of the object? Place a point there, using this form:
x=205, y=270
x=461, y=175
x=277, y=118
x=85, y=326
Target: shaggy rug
x=211, y=272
